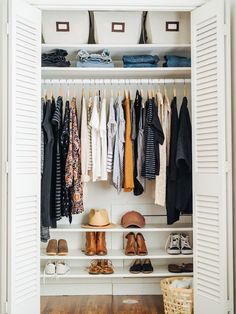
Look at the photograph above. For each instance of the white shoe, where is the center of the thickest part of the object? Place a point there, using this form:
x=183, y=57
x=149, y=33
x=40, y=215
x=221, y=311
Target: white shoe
x=62, y=268
x=185, y=245
x=50, y=268
x=173, y=244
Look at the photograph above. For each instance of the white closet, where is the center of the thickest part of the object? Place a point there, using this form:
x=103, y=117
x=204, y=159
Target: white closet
x=212, y=204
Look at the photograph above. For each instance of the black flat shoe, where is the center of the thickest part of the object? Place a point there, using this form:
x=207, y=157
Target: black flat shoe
x=147, y=266
x=136, y=268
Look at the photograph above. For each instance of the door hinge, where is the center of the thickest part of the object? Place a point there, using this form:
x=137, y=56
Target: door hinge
x=6, y=167
x=6, y=307
x=7, y=28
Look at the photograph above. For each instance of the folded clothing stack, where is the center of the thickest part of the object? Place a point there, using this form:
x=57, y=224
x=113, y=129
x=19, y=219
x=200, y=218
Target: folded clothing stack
x=94, y=60
x=175, y=61
x=55, y=58
x=140, y=61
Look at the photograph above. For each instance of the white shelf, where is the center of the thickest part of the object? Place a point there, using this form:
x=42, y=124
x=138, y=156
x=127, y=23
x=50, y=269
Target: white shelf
x=117, y=51
x=125, y=73
x=119, y=272
x=114, y=254
x=118, y=228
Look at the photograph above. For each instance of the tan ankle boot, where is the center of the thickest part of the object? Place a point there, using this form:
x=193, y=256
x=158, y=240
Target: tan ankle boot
x=141, y=246
x=101, y=244
x=130, y=246
x=90, y=248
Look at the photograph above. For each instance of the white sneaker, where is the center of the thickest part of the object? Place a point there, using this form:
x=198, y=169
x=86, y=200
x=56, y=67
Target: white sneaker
x=173, y=244
x=62, y=268
x=185, y=245
x=50, y=268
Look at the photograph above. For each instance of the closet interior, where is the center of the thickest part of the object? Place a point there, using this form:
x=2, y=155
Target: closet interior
x=117, y=82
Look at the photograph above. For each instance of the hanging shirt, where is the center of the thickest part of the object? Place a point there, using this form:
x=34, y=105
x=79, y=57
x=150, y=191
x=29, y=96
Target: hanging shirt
x=73, y=163
x=137, y=144
x=128, y=158
x=96, y=143
x=46, y=182
x=141, y=155
x=111, y=132
x=171, y=188
x=164, y=116
x=84, y=142
x=66, y=203
x=57, y=122
x=103, y=135
x=184, y=160
x=118, y=165
x=89, y=114
x=153, y=137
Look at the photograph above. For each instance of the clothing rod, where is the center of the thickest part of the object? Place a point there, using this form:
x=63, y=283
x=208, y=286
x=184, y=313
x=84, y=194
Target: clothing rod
x=115, y=81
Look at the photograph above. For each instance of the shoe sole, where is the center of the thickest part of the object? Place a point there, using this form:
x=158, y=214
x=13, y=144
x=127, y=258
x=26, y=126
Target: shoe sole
x=174, y=252
x=62, y=254
x=51, y=254
x=147, y=272
x=186, y=253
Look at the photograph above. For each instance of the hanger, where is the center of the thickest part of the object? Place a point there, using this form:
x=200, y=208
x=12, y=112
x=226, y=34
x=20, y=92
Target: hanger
x=174, y=89
x=165, y=90
x=185, y=92
x=60, y=90
x=45, y=94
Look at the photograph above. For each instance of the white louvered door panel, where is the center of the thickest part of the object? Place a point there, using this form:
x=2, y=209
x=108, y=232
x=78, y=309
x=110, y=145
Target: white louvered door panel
x=211, y=163
x=24, y=157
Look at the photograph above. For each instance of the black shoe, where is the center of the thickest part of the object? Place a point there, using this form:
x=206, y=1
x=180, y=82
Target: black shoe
x=136, y=268
x=147, y=267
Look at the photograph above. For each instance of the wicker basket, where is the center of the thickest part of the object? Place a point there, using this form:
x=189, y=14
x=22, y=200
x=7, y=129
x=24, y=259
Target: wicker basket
x=176, y=300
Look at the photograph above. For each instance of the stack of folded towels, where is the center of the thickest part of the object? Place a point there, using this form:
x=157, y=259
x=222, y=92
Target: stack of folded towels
x=55, y=58
x=140, y=61
x=94, y=60
x=175, y=61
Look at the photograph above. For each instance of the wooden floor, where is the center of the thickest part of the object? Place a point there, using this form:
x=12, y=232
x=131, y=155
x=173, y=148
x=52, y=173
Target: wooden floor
x=102, y=305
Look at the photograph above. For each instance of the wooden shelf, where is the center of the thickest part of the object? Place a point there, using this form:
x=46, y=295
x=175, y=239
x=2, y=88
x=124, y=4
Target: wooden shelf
x=119, y=272
x=125, y=73
x=117, y=51
x=118, y=228
x=114, y=254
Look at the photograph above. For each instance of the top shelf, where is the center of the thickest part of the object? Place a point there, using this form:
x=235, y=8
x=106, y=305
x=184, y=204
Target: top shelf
x=117, y=51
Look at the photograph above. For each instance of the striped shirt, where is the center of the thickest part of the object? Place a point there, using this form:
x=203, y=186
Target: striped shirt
x=111, y=132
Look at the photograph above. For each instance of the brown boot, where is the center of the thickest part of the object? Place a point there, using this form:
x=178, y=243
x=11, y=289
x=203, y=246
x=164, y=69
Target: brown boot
x=62, y=247
x=130, y=246
x=90, y=248
x=52, y=247
x=141, y=246
x=101, y=244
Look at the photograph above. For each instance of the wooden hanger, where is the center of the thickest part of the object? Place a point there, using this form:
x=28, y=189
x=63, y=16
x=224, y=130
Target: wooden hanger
x=83, y=92
x=51, y=93
x=45, y=94
x=60, y=91
x=185, y=91
x=174, y=90
x=68, y=94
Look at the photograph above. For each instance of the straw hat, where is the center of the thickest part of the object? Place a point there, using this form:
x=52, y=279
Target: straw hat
x=98, y=218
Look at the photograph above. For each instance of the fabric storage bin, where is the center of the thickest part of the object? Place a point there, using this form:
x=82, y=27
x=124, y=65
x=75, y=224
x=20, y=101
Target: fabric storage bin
x=168, y=27
x=176, y=300
x=117, y=27
x=65, y=27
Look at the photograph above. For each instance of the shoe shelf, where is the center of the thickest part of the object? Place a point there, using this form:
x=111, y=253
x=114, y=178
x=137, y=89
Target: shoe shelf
x=148, y=228
x=114, y=255
x=117, y=51
x=119, y=272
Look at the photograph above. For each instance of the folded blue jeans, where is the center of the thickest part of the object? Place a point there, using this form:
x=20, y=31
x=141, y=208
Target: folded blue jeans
x=141, y=59
x=175, y=61
x=94, y=64
x=140, y=65
x=103, y=57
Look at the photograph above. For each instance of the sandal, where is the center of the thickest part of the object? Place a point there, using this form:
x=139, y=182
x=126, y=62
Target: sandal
x=95, y=268
x=106, y=267
x=136, y=268
x=187, y=268
x=147, y=266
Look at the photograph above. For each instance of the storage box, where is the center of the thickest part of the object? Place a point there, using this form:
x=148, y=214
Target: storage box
x=168, y=27
x=117, y=27
x=65, y=27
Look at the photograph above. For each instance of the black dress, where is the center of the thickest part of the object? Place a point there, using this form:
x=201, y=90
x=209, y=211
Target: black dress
x=171, y=189
x=184, y=161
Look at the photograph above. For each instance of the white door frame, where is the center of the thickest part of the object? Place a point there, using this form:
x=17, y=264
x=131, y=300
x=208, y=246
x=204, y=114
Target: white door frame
x=3, y=155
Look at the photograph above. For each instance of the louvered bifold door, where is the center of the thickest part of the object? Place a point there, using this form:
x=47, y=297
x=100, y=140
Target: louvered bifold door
x=24, y=111
x=211, y=161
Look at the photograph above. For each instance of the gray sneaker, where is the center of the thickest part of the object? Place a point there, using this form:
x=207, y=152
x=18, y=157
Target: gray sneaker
x=173, y=244
x=186, y=248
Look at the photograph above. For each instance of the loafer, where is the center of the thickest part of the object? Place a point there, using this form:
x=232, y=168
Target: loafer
x=136, y=268
x=147, y=266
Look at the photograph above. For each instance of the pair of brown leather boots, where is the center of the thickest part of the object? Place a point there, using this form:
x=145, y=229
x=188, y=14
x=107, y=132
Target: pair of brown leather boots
x=135, y=244
x=95, y=243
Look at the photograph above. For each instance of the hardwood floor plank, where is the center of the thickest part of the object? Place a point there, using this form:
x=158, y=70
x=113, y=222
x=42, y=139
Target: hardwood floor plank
x=102, y=305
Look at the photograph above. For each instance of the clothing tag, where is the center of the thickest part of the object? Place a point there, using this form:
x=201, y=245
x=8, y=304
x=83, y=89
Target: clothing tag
x=117, y=27
x=62, y=26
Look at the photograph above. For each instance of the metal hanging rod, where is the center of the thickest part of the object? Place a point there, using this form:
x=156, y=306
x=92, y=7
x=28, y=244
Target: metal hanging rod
x=115, y=81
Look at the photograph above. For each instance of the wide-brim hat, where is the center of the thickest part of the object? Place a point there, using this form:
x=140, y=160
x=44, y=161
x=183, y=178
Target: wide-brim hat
x=98, y=219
